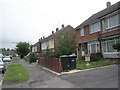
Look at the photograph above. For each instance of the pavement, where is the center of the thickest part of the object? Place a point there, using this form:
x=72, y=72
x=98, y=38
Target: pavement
x=105, y=77
x=40, y=78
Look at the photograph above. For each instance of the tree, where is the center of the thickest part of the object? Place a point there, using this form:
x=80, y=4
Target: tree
x=66, y=43
x=22, y=49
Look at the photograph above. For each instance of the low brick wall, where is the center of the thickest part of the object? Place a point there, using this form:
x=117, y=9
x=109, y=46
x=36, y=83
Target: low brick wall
x=51, y=63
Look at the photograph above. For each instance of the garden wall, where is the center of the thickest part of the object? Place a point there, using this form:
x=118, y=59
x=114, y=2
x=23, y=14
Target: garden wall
x=50, y=63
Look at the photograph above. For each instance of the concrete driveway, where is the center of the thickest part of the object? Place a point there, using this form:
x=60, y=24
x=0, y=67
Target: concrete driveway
x=106, y=77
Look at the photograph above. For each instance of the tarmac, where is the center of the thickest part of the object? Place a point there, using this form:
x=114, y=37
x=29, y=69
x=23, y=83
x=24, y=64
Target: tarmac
x=41, y=78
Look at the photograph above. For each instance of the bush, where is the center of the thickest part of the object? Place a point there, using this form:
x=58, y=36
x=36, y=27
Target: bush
x=32, y=57
x=93, y=58
x=117, y=46
x=82, y=58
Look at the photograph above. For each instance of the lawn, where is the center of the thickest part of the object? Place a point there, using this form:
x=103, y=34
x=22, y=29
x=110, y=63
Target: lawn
x=15, y=74
x=81, y=64
x=14, y=60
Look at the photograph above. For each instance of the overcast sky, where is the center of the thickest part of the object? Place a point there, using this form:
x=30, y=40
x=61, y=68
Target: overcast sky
x=29, y=20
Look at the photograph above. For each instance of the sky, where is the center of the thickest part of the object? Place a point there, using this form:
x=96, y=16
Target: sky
x=29, y=20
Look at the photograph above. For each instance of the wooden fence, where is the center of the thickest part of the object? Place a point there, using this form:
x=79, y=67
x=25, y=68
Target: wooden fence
x=51, y=63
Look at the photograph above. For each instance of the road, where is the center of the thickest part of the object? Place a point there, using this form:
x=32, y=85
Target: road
x=106, y=77
x=0, y=79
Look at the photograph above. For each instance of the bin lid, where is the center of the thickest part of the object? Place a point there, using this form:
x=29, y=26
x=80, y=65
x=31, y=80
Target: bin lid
x=64, y=56
x=72, y=55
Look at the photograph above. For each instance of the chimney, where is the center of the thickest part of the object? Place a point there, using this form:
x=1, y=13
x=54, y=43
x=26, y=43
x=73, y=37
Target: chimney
x=62, y=25
x=52, y=32
x=108, y=4
x=56, y=29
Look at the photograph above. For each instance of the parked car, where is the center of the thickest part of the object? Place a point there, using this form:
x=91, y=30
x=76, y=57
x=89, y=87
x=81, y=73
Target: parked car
x=6, y=59
x=2, y=66
x=1, y=56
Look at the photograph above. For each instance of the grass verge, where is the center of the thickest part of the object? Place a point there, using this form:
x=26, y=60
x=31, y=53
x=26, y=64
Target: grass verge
x=14, y=60
x=15, y=74
x=81, y=64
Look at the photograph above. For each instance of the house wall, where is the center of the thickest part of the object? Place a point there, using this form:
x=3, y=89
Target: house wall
x=51, y=43
x=87, y=36
x=111, y=31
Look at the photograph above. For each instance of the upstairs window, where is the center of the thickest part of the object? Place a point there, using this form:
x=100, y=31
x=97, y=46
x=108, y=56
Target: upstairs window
x=82, y=32
x=111, y=22
x=95, y=27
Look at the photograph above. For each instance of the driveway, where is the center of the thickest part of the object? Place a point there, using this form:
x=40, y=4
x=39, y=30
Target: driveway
x=106, y=77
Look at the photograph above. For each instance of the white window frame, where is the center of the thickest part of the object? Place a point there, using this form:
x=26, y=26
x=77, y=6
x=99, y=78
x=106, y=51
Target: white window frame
x=107, y=46
x=97, y=49
x=81, y=32
x=91, y=30
x=108, y=22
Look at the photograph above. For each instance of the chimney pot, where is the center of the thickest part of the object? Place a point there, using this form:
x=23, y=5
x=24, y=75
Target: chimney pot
x=62, y=25
x=56, y=29
x=108, y=4
x=52, y=32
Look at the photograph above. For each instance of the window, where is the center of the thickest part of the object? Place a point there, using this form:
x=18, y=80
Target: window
x=93, y=47
x=107, y=45
x=95, y=27
x=82, y=32
x=111, y=22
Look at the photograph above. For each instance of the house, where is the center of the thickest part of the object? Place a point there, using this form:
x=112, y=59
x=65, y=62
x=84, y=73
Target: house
x=36, y=48
x=51, y=41
x=48, y=43
x=99, y=32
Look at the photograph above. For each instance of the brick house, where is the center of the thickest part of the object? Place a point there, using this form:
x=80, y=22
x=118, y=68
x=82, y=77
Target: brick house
x=99, y=32
x=51, y=41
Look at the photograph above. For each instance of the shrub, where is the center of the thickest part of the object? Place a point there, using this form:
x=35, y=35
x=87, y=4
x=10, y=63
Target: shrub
x=32, y=57
x=82, y=58
x=117, y=46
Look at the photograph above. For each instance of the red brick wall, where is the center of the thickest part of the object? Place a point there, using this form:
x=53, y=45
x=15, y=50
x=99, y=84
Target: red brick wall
x=87, y=36
x=110, y=33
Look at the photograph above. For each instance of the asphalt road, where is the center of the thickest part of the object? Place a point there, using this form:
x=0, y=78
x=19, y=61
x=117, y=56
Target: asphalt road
x=0, y=79
x=106, y=77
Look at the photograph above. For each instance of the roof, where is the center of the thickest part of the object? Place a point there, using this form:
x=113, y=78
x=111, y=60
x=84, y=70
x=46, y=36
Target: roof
x=100, y=14
x=52, y=35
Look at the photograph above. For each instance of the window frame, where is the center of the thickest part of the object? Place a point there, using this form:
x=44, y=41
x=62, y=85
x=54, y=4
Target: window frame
x=97, y=49
x=106, y=45
x=108, y=22
x=91, y=26
x=81, y=32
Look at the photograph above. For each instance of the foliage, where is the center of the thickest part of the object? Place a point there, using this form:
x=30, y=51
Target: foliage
x=32, y=57
x=66, y=44
x=15, y=74
x=22, y=49
x=49, y=54
x=117, y=46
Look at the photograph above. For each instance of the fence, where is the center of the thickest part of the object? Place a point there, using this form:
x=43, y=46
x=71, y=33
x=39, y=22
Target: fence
x=51, y=63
